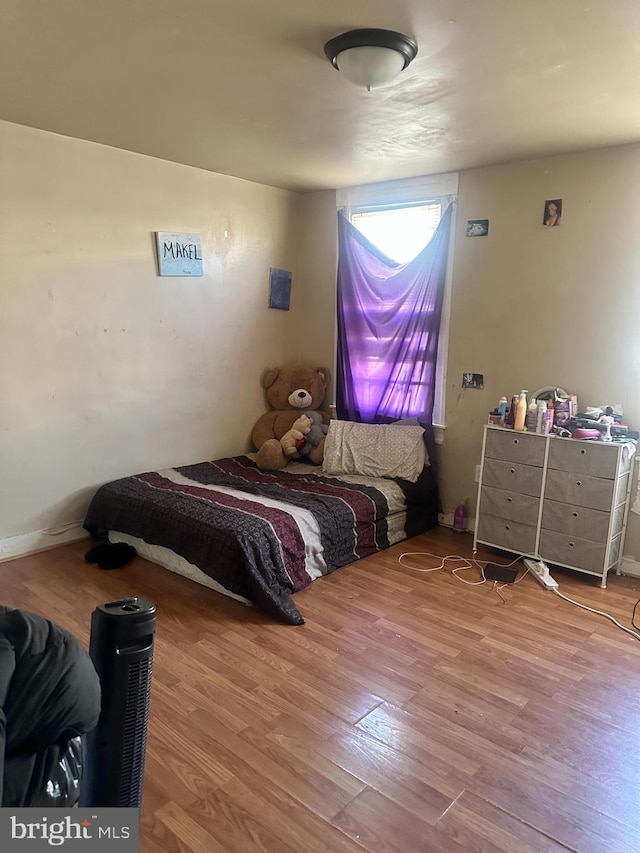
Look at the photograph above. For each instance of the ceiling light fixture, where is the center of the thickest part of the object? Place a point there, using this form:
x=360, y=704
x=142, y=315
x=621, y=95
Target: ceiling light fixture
x=370, y=58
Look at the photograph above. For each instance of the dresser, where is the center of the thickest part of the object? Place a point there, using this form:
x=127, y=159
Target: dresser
x=560, y=500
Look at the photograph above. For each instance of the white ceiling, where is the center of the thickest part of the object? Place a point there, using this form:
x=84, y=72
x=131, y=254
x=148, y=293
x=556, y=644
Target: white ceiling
x=242, y=87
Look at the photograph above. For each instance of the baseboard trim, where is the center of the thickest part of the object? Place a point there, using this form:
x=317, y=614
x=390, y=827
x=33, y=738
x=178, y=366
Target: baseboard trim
x=446, y=520
x=630, y=566
x=39, y=540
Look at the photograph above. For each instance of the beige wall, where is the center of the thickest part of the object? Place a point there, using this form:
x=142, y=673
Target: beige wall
x=534, y=306
x=531, y=306
x=107, y=368
x=313, y=310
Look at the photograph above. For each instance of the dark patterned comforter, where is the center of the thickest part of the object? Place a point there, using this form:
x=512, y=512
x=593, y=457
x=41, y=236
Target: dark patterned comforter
x=264, y=535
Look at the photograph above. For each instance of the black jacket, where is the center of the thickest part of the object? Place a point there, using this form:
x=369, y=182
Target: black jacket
x=49, y=693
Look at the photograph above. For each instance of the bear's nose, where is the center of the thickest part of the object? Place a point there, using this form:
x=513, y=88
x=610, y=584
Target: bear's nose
x=302, y=394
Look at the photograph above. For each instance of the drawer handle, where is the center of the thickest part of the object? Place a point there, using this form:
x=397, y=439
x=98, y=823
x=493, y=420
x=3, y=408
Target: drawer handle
x=572, y=544
x=578, y=482
x=512, y=470
x=509, y=500
x=507, y=527
x=583, y=451
x=575, y=514
x=516, y=441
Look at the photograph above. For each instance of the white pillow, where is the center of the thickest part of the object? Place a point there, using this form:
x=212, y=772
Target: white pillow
x=374, y=450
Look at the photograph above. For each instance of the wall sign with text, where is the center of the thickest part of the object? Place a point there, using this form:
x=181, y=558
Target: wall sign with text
x=178, y=254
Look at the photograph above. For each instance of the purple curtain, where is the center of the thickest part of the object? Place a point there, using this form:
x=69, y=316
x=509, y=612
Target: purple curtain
x=388, y=328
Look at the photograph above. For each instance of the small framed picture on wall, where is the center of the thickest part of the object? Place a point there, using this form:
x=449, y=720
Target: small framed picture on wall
x=477, y=227
x=279, y=289
x=552, y=212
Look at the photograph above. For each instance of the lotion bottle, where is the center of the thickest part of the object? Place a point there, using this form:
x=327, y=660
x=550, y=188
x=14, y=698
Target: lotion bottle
x=521, y=412
x=460, y=517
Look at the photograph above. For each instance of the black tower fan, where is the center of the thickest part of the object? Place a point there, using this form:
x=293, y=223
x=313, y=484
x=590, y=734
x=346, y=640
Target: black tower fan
x=121, y=648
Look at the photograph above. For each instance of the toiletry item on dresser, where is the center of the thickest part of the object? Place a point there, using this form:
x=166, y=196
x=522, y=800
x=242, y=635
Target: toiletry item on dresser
x=532, y=416
x=511, y=416
x=550, y=416
x=503, y=408
x=521, y=412
x=561, y=410
x=573, y=403
x=541, y=415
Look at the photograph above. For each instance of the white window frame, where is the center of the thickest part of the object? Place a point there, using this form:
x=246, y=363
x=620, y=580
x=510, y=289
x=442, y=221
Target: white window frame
x=410, y=192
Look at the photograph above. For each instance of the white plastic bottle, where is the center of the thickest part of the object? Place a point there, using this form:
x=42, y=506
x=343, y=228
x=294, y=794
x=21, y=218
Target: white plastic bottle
x=521, y=412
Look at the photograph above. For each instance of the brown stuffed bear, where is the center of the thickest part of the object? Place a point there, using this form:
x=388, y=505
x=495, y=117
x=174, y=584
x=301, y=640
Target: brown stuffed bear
x=295, y=438
x=290, y=391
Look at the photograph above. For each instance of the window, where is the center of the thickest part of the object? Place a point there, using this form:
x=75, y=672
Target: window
x=399, y=218
x=400, y=232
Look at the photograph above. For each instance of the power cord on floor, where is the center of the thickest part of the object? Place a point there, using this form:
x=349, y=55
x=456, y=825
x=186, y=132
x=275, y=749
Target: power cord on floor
x=602, y=613
x=468, y=564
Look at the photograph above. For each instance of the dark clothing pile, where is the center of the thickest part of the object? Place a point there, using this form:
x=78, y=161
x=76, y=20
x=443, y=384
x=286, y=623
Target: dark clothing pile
x=49, y=696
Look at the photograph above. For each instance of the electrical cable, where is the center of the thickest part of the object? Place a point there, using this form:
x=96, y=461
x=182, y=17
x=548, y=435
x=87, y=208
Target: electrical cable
x=443, y=561
x=600, y=613
x=497, y=589
x=469, y=564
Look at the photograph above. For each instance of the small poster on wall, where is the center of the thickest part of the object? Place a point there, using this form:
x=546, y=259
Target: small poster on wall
x=473, y=380
x=552, y=212
x=477, y=227
x=178, y=254
x=279, y=289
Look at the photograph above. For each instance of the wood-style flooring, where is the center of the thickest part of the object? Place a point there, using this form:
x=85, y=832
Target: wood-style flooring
x=410, y=713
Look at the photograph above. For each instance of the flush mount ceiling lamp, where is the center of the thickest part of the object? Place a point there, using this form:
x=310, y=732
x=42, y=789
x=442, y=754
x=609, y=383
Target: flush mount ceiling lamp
x=370, y=58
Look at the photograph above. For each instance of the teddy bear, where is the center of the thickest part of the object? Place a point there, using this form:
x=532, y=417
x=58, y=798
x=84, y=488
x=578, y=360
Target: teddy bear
x=295, y=439
x=290, y=391
x=313, y=432
x=304, y=438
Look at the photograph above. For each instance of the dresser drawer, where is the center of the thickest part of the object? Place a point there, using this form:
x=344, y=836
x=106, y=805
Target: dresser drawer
x=584, y=457
x=527, y=449
x=509, y=505
x=572, y=551
x=524, y=479
x=580, y=521
x=511, y=535
x=577, y=489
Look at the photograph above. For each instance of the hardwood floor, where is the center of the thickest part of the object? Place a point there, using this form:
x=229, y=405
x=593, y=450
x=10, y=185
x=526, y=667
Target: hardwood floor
x=410, y=713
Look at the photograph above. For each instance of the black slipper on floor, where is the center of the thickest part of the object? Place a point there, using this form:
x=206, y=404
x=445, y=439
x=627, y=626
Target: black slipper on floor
x=111, y=555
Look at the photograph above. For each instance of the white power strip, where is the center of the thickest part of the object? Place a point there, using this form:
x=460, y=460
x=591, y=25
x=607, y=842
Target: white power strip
x=540, y=571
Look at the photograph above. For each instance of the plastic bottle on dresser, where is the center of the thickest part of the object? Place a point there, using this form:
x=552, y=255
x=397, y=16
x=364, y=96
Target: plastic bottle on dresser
x=550, y=413
x=503, y=407
x=511, y=416
x=532, y=416
x=521, y=412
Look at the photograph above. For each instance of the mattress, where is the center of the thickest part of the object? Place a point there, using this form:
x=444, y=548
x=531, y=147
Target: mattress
x=260, y=536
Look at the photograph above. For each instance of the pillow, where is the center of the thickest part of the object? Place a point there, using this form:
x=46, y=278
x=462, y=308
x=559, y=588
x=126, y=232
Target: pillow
x=374, y=450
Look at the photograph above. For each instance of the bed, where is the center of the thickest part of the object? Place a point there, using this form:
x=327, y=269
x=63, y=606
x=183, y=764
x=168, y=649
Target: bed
x=261, y=536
